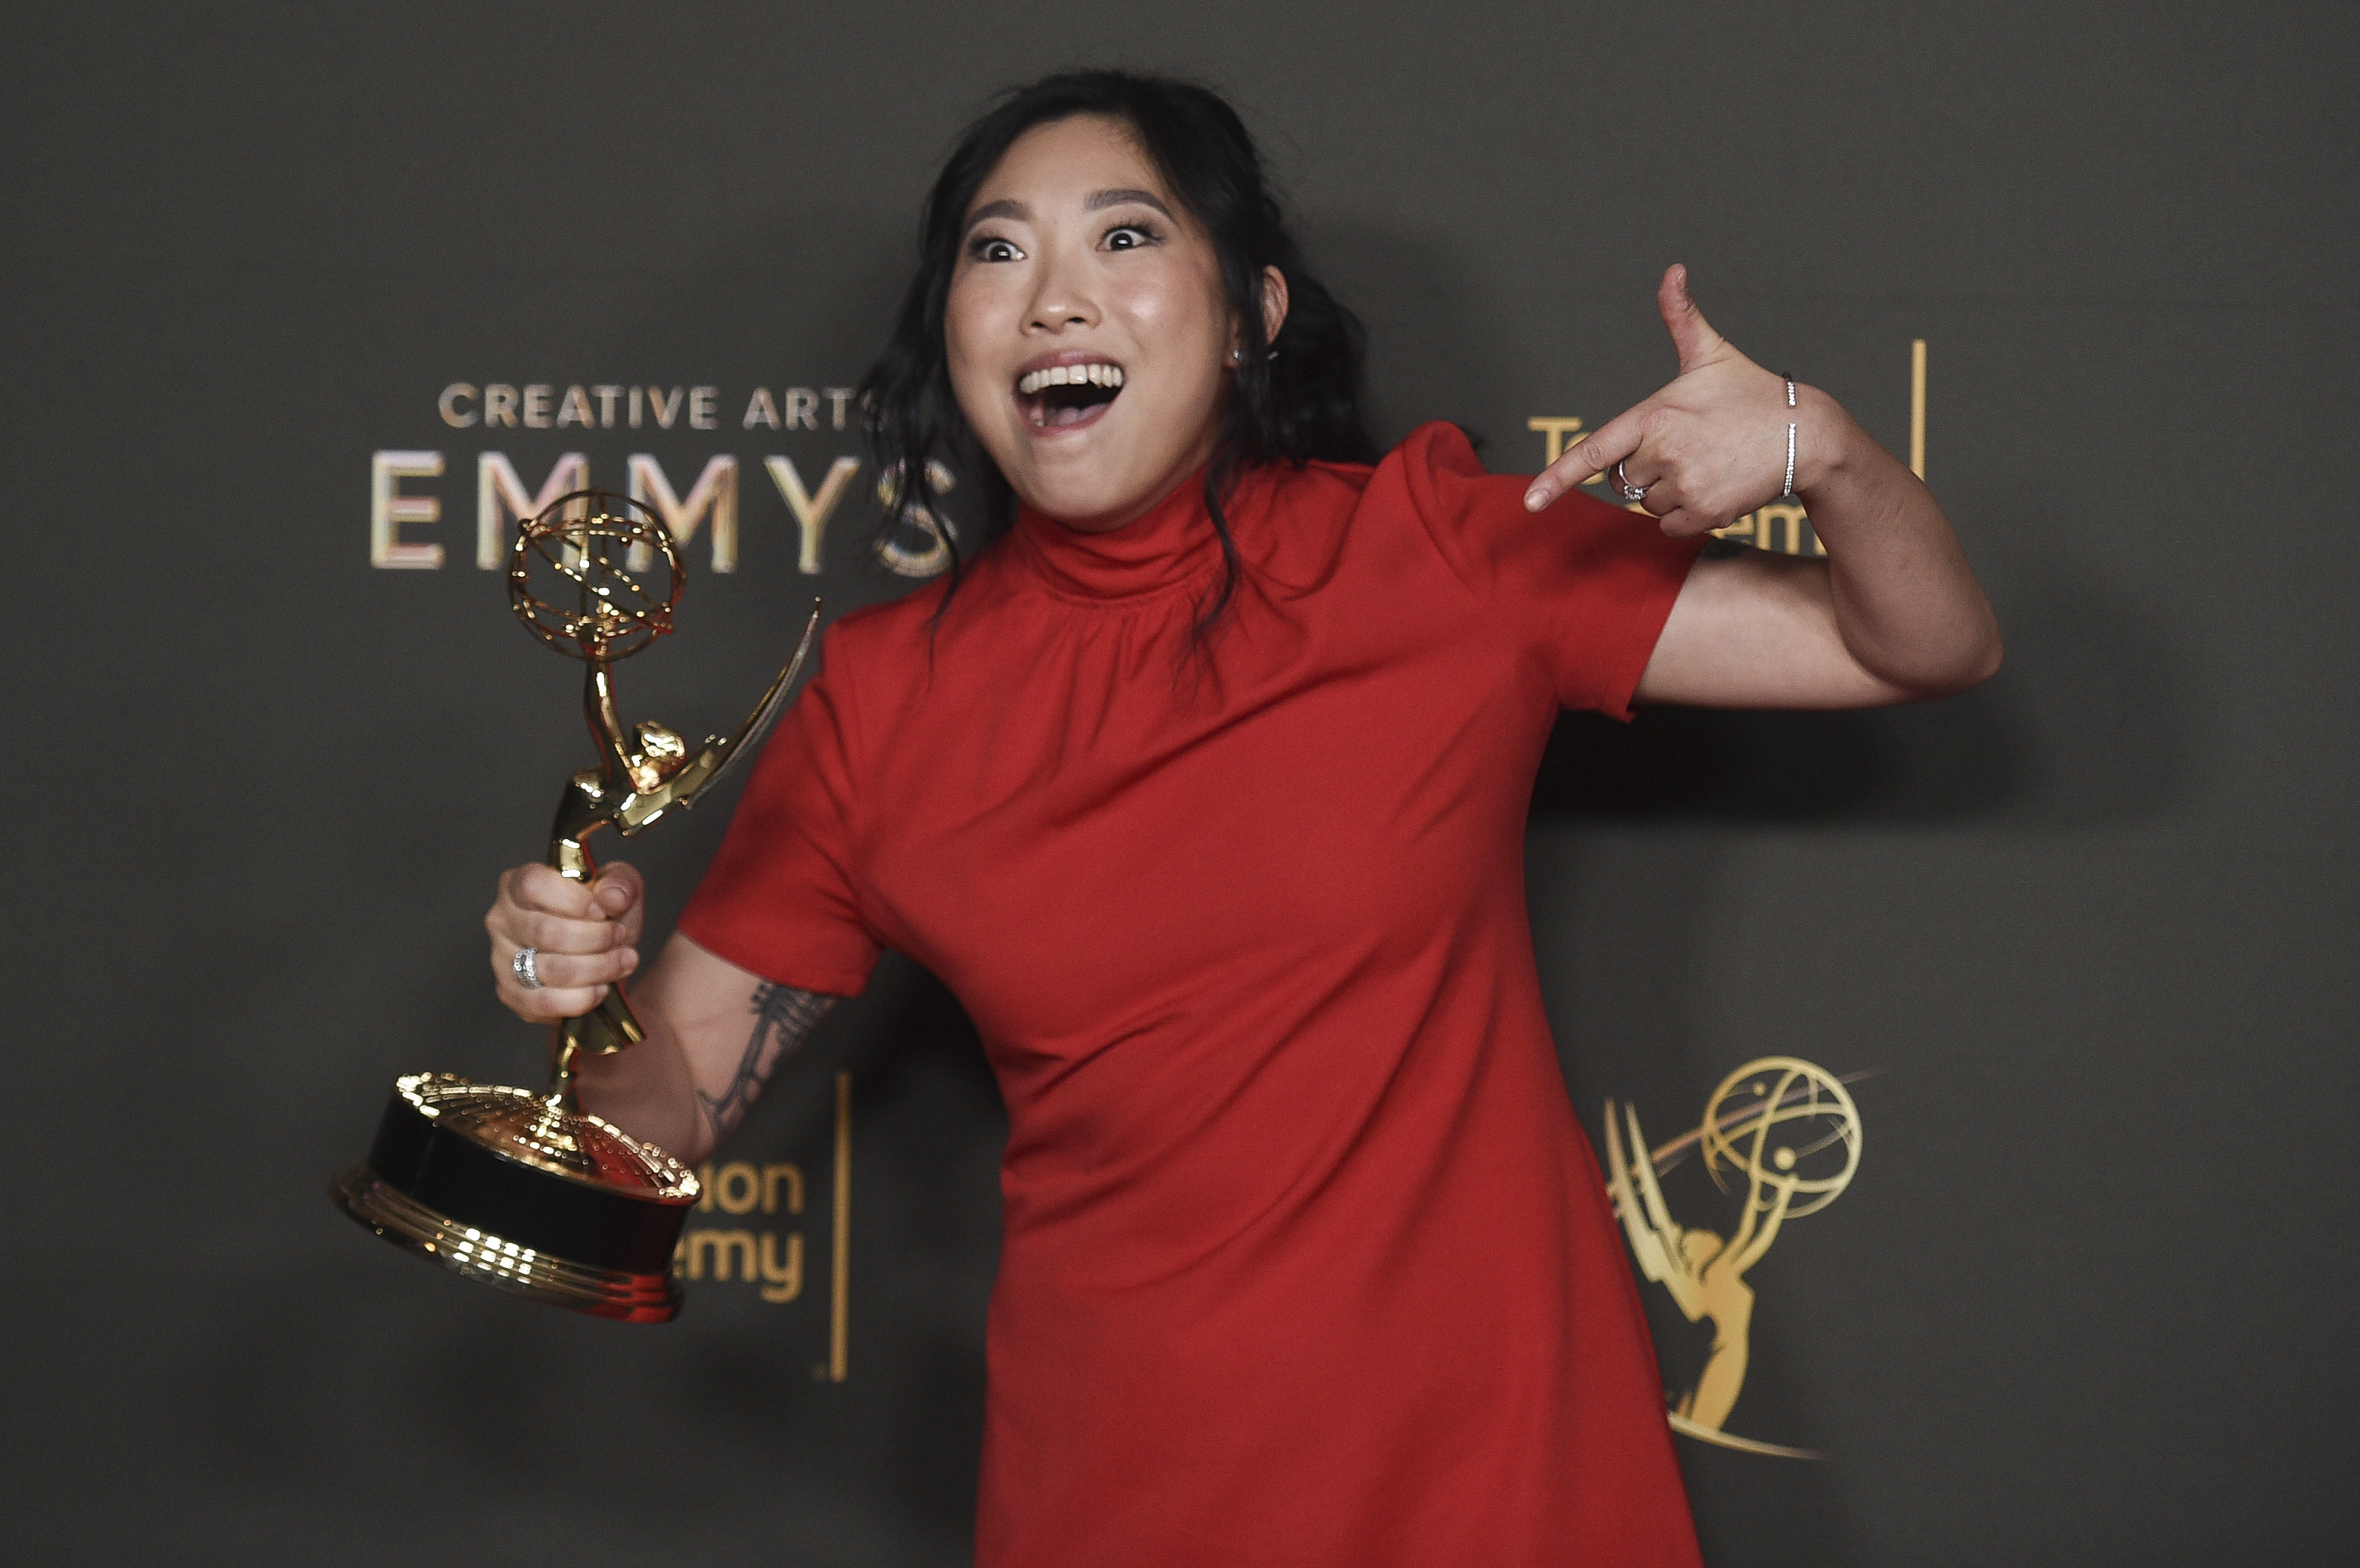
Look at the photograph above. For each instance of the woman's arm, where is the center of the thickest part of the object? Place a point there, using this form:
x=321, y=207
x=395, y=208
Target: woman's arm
x=1893, y=614
x=714, y=1030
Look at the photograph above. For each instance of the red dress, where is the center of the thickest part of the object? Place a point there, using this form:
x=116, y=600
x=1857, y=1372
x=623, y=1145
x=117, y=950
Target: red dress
x=1308, y=1262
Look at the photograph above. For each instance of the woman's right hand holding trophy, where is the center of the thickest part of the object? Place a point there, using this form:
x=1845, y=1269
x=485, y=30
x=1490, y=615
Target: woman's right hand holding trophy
x=559, y=944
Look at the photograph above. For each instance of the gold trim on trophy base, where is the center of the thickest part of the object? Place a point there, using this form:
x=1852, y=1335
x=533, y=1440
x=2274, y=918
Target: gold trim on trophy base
x=544, y=1132
x=479, y=1254
x=524, y=1191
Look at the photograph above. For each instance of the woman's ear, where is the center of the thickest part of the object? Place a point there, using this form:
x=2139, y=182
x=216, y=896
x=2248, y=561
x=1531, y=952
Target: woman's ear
x=1273, y=303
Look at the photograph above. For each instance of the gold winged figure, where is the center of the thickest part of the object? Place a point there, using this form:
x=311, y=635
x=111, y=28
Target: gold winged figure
x=1705, y=1275
x=1791, y=1130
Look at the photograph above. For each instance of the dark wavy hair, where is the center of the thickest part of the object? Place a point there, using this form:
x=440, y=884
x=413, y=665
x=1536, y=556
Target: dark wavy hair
x=1297, y=404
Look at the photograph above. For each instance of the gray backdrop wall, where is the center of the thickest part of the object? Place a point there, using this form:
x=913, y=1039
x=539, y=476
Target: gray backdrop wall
x=2083, y=940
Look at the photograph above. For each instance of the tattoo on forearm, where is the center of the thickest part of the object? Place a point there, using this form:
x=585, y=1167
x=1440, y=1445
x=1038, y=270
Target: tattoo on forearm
x=782, y=1017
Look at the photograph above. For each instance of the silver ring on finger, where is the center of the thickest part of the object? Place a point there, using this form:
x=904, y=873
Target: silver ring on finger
x=526, y=967
x=1623, y=483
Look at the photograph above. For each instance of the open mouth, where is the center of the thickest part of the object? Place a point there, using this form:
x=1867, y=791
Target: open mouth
x=1061, y=395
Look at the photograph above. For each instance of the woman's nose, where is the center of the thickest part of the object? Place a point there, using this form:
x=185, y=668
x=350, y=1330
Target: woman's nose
x=1061, y=297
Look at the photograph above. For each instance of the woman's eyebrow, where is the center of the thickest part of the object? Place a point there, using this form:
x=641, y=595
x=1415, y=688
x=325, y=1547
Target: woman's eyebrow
x=1004, y=208
x=1124, y=198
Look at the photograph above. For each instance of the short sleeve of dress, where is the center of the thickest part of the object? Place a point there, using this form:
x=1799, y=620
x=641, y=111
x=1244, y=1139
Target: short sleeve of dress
x=1585, y=586
x=782, y=896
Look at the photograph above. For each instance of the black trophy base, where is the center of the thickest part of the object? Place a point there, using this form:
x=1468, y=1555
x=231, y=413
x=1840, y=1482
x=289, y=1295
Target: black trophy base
x=524, y=1193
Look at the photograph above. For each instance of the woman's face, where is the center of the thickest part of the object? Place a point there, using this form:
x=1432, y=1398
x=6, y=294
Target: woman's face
x=1088, y=333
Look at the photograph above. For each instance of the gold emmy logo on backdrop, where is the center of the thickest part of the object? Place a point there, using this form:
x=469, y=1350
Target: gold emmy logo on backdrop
x=1789, y=1132
x=528, y=1190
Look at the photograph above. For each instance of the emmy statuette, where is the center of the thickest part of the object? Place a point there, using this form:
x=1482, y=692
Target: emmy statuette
x=526, y=1189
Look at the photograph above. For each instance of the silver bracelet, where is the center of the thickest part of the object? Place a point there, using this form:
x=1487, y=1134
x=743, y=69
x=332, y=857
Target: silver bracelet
x=1786, y=493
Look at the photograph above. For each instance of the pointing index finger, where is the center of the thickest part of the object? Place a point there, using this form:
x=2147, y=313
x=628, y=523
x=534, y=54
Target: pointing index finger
x=1593, y=454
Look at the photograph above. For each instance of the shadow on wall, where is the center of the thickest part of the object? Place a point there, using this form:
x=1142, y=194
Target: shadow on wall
x=2084, y=728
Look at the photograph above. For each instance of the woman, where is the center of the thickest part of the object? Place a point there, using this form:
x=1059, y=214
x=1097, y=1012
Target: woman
x=1205, y=791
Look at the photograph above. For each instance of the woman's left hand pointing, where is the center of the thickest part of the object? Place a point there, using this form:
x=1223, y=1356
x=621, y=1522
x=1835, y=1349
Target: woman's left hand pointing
x=1709, y=447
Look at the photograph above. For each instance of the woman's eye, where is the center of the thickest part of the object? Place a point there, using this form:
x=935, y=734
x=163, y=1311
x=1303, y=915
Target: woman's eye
x=1129, y=236
x=990, y=249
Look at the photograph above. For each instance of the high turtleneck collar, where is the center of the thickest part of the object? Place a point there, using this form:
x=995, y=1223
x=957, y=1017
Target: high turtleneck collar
x=1172, y=546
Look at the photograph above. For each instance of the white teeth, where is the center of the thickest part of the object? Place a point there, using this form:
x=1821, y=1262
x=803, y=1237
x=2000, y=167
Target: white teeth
x=1094, y=374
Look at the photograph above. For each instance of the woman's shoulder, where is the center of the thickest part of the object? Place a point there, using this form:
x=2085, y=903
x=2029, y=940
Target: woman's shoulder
x=1437, y=446
x=1432, y=497
x=1430, y=476
x=1299, y=526
x=1436, y=472
x=1429, y=469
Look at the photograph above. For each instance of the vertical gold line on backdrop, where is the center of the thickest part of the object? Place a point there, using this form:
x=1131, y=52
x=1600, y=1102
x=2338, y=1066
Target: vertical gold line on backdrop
x=839, y=1274
x=1918, y=407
